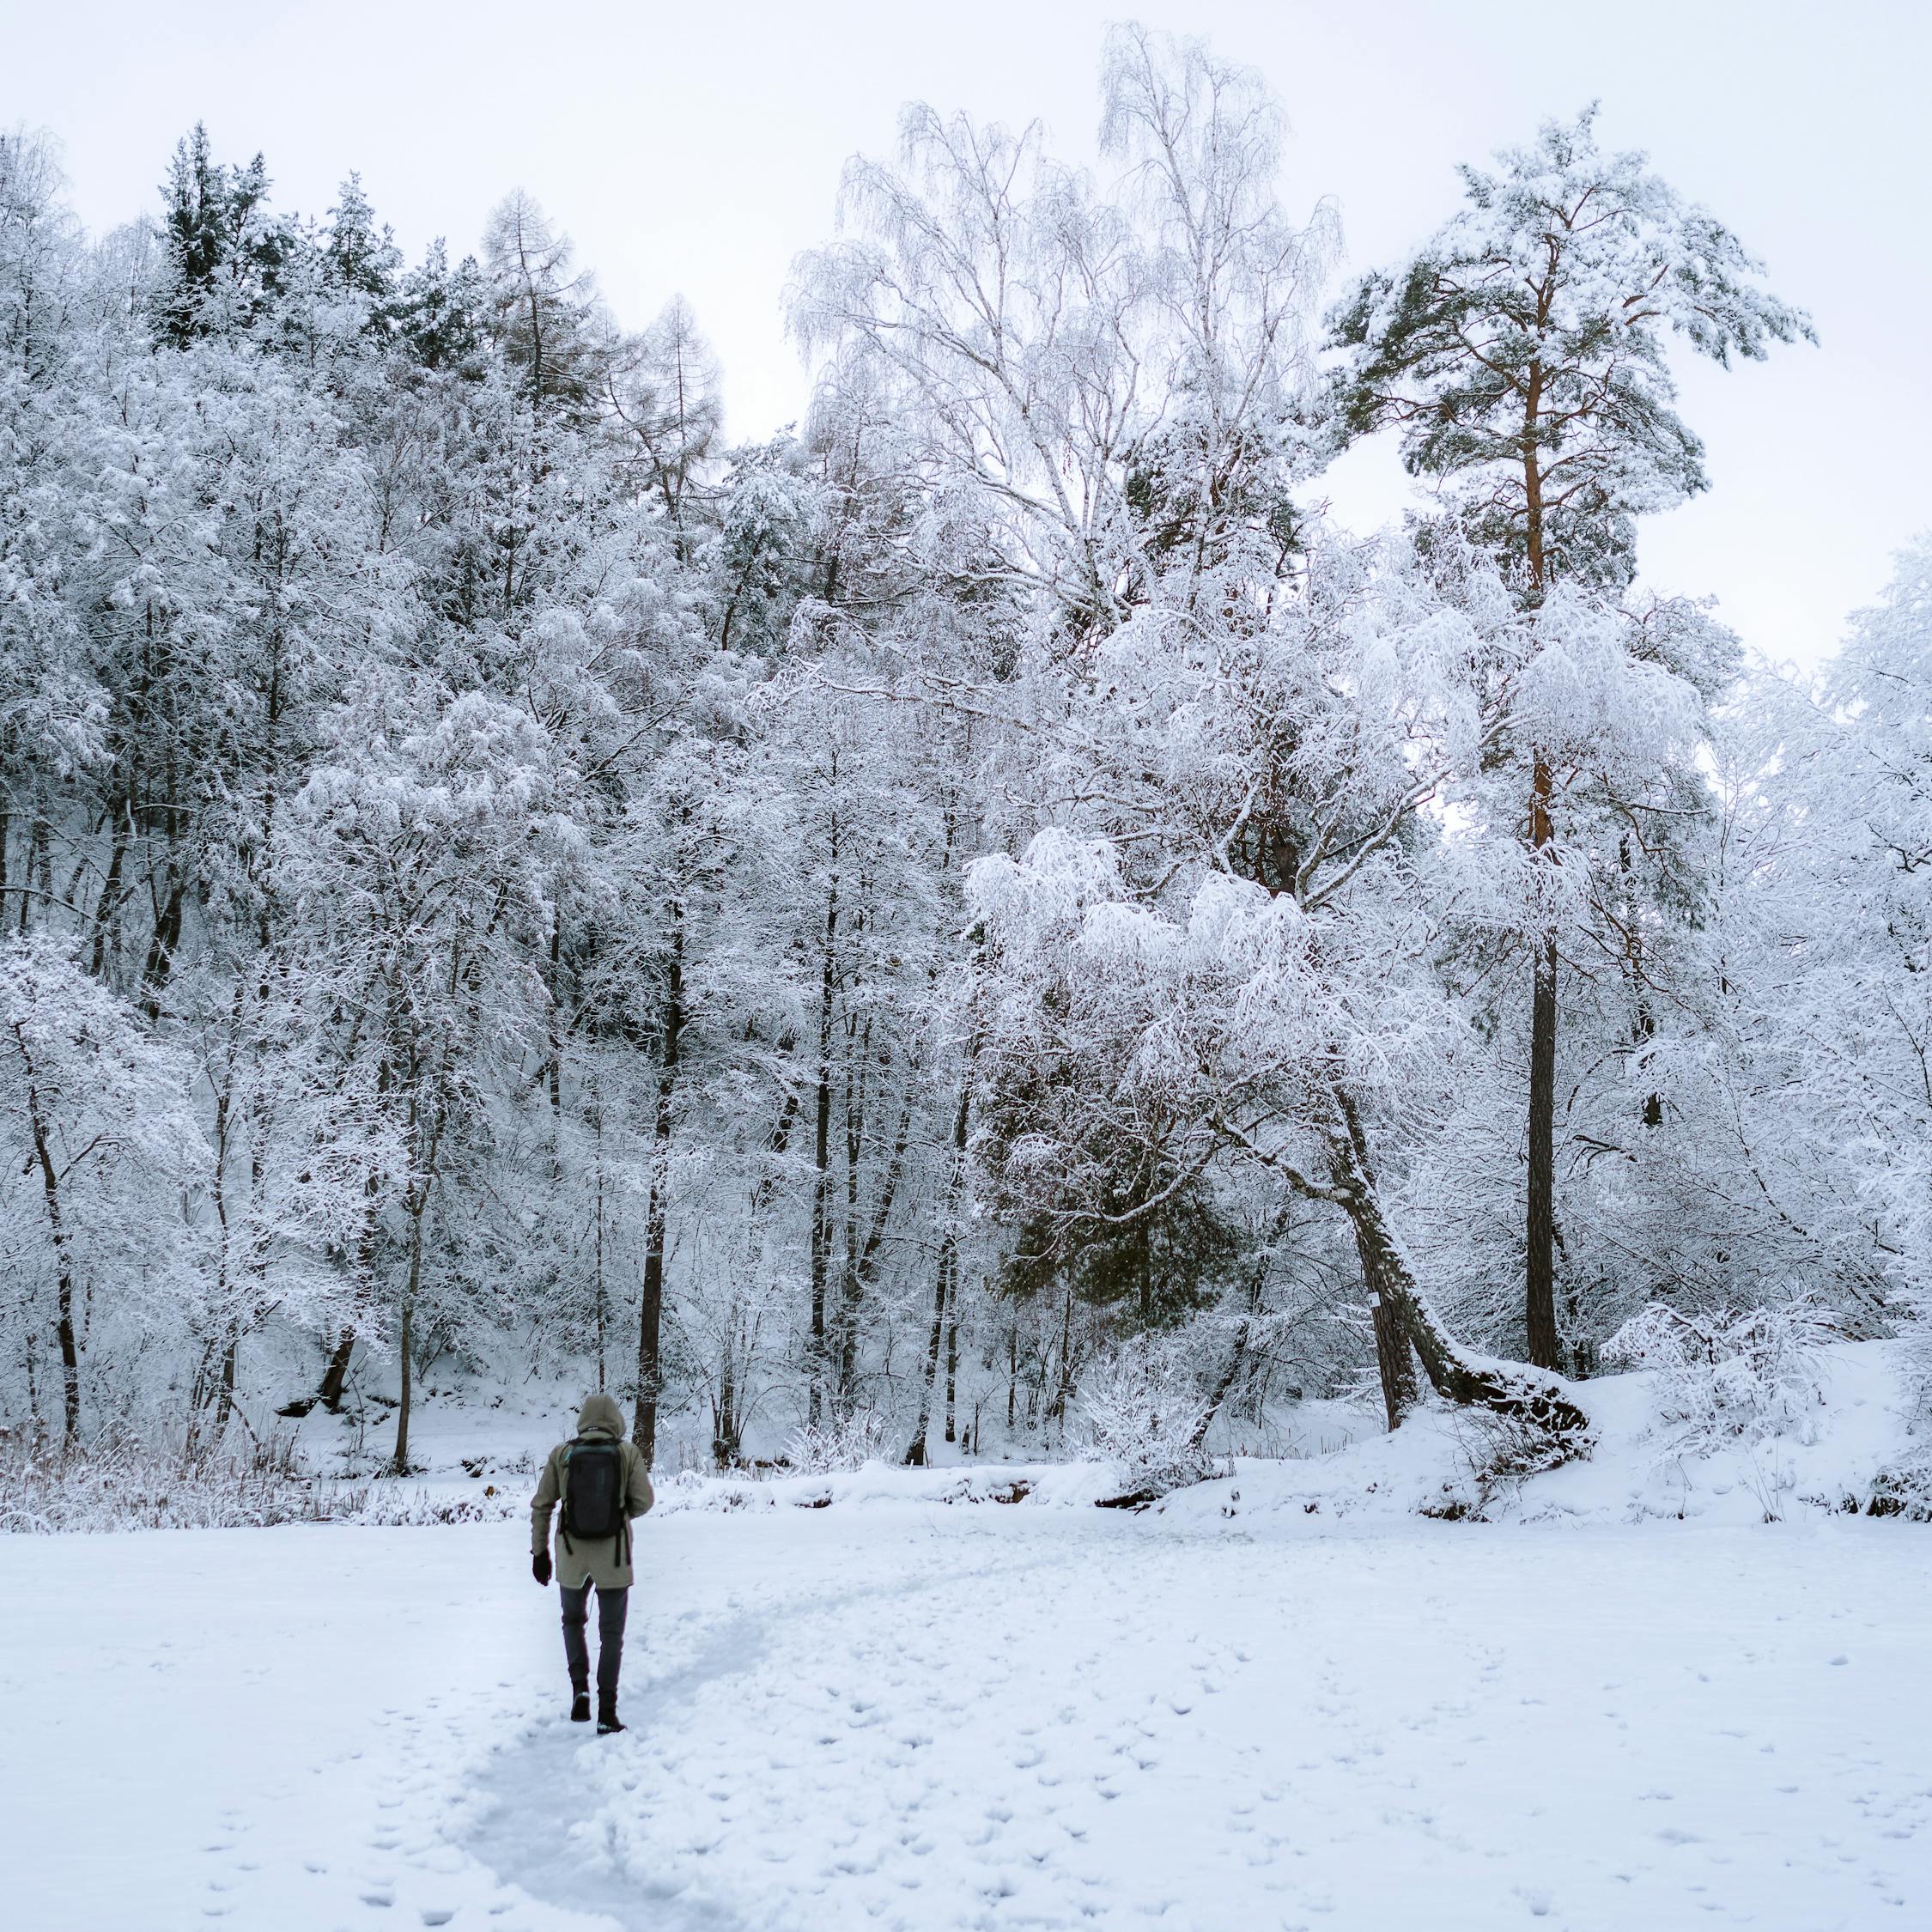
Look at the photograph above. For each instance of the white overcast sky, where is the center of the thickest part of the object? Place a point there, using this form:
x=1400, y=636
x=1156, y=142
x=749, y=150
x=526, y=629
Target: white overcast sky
x=696, y=148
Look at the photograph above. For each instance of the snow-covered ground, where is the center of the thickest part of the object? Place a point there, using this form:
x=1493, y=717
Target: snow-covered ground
x=921, y=1715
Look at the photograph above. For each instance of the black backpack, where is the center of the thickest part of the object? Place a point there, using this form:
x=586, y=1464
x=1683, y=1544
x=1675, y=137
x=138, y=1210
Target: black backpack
x=594, y=1489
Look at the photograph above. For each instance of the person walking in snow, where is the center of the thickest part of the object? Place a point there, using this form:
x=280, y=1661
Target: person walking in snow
x=603, y=1484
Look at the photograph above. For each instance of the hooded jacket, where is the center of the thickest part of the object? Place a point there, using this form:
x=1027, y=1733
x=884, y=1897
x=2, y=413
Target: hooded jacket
x=606, y=1562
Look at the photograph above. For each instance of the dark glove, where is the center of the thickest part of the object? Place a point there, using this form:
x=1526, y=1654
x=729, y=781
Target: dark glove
x=540, y=1567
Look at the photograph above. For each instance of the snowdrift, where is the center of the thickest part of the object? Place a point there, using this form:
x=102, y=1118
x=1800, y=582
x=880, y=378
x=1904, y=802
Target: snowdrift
x=1850, y=1449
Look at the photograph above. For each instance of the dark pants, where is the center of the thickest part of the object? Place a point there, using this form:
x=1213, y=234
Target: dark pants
x=611, y=1608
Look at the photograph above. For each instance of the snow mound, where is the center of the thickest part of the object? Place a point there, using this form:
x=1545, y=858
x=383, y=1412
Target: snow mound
x=1852, y=1449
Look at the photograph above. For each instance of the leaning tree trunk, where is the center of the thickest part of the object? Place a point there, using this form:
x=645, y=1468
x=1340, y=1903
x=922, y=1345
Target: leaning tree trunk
x=335, y=1371
x=1394, y=1362
x=1455, y=1373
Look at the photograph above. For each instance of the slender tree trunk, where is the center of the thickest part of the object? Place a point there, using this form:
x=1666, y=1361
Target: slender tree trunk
x=1013, y=1378
x=424, y=1189
x=335, y=1373
x=108, y=907
x=724, y=1416
x=598, y=1283
x=554, y=1071
x=1544, y=1346
x=41, y=1132
x=953, y=1355
x=39, y=856
x=1244, y=1333
x=947, y=1266
x=822, y=1160
x=1545, y=1349
x=1063, y=1384
x=735, y=1363
x=650, y=1324
x=914, y=1457
x=64, y=1281
x=863, y=1264
x=224, y=1400
x=162, y=944
x=400, y=1463
x=845, y=1316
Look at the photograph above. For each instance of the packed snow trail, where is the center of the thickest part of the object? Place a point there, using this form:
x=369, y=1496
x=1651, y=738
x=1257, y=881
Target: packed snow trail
x=1596, y=1731
x=924, y=1717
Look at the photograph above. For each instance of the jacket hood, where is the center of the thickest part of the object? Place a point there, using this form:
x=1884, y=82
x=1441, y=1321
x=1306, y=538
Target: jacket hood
x=600, y=1415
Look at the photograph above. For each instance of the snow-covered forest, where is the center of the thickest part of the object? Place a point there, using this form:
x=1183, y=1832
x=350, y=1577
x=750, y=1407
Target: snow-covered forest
x=983, y=917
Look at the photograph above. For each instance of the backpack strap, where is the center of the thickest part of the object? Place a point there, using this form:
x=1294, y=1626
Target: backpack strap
x=563, y=1499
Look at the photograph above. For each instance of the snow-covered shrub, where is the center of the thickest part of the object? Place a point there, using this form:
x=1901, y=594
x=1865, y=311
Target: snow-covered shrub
x=406, y=1505
x=1904, y=1488
x=127, y=1483
x=1915, y=1360
x=847, y=1441
x=1499, y=1454
x=1731, y=1375
x=130, y=1482
x=1141, y=1409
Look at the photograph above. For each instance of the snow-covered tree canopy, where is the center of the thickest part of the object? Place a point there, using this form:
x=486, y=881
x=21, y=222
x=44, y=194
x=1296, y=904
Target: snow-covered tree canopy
x=847, y=937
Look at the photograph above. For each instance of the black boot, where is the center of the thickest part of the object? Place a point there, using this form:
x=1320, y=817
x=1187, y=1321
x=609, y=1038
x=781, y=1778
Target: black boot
x=580, y=1707
x=607, y=1720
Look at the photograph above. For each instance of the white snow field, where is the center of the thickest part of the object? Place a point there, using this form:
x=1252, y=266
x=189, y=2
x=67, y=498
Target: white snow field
x=920, y=1714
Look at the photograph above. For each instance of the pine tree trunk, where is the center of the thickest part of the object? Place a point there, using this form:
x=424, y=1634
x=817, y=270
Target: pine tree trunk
x=1540, y=1230
x=1545, y=1349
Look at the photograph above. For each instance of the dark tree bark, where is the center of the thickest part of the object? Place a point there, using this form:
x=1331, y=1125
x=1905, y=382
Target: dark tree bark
x=822, y=1155
x=1545, y=1349
x=1526, y=1394
x=41, y=1133
x=335, y=1372
x=650, y=1320
x=947, y=1268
